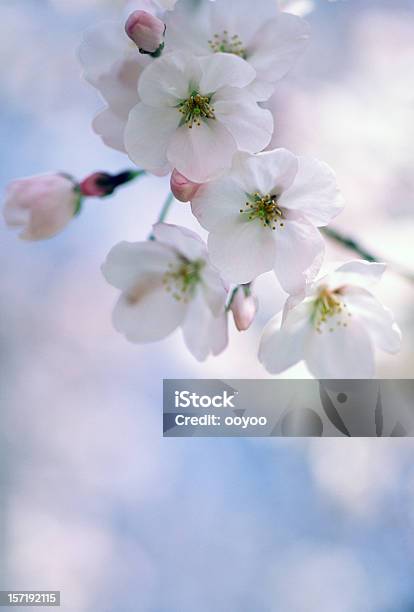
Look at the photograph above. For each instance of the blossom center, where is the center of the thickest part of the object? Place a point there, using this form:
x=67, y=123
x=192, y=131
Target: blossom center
x=224, y=43
x=181, y=279
x=265, y=208
x=328, y=310
x=195, y=109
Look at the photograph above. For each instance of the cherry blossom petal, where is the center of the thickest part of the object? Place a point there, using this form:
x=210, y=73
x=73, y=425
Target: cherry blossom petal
x=347, y=352
x=215, y=293
x=148, y=134
x=358, y=272
x=131, y=262
x=203, y=333
x=275, y=48
x=268, y=172
x=217, y=201
x=241, y=249
x=314, y=192
x=299, y=253
x=376, y=318
x=111, y=129
x=166, y=81
x=224, y=70
x=101, y=46
x=250, y=125
x=203, y=152
x=149, y=314
x=281, y=347
x=182, y=240
x=240, y=17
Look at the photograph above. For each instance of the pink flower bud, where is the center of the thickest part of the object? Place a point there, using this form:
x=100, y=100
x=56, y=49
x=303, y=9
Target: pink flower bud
x=145, y=30
x=94, y=185
x=183, y=189
x=244, y=308
x=40, y=205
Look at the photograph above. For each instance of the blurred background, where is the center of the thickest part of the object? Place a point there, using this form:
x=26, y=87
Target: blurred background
x=94, y=502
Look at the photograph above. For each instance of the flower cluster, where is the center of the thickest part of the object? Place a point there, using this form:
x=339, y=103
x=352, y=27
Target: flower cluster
x=184, y=89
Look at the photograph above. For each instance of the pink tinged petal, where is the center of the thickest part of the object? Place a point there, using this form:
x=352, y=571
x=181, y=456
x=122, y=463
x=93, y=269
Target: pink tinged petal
x=300, y=250
x=282, y=346
x=314, y=192
x=183, y=189
x=346, y=352
x=148, y=134
x=218, y=201
x=215, y=292
x=241, y=250
x=203, y=152
x=41, y=206
x=376, y=318
x=131, y=263
x=181, y=240
x=224, y=70
x=203, y=333
x=119, y=86
x=145, y=30
x=167, y=81
x=148, y=313
x=250, y=125
x=276, y=46
x=269, y=172
x=111, y=129
x=101, y=47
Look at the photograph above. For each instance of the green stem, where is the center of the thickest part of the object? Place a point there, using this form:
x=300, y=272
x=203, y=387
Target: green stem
x=164, y=212
x=353, y=245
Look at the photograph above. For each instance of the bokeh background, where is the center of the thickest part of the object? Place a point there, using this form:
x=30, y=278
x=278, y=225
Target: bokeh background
x=94, y=502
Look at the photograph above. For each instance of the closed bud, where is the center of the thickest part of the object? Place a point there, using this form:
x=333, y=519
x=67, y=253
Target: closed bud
x=244, y=307
x=41, y=206
x=146, y=31
x=95, y=185
x=183, y=189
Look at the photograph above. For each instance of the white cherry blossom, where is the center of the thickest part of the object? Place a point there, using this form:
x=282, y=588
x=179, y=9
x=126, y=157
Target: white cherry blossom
x=264, y=215
x=334, y=328
x=112, y=64
x=268, y=39
x=166, y=284
x=41, y=206
x=195, y=115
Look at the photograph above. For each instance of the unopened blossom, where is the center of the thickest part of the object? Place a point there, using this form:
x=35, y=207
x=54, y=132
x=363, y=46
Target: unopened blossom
x=244, y=307
x=165, y=284
x=113, y=65
x=268, y=39
x=264, y=215
x=334, y=328
x=195, y=114
x=146, y=31
x=41, y=206
x=183, y=189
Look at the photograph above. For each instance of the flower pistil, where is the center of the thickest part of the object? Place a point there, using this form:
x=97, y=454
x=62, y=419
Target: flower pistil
x=181, y=280
x=195, y=109
x=265, y=208
x=223, y=43
x=329, y=308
